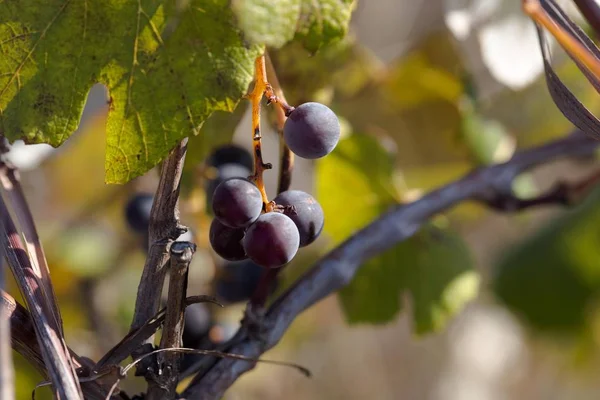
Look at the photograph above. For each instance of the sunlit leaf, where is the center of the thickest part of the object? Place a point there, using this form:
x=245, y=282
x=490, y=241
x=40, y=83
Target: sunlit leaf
x=355, y=185
x=167, y=69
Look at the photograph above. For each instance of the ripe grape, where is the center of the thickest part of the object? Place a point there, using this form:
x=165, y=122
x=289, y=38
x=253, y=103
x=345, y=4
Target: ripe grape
x=137, y=212
x=231, y=154
x=306, y=213
x=226, y=241
x=197, y=324
x=272, y=240
x=224, y=172
x=238, y=281
x=312, y=130
x=237, y=202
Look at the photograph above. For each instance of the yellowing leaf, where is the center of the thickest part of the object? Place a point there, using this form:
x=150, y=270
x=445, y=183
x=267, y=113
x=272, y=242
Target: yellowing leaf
x=167, y=69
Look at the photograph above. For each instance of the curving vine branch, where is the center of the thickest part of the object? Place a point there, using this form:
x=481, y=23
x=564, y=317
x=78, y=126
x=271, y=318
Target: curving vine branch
x=490, y=185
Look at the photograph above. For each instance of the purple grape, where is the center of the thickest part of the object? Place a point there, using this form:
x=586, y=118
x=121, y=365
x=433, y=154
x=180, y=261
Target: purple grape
x=312, y=130
x=230, y=154
x=226, y=241
x=272, y=240
x=137, y=212
x=238, y=281
x=224, y=172
x=198, y=321
x=237, y=202
x=306, y=213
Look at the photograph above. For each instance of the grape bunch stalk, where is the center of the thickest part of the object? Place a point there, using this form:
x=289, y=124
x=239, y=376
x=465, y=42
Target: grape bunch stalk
x=246, y=224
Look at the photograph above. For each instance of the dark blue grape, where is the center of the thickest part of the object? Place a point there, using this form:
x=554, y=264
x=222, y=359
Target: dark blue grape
x=238, y=281
x=226, y=241
x=224, y=172
x=231, y=154
x=137, y=212
x=306, y=213
x=237, y=202
x=312, y=130
x=198, y=321
x=272, y=240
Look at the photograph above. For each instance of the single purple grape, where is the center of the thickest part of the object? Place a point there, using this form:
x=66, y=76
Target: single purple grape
x=137, y=212
x=226, y=241
x=306, y=213
x=312, y=130
x=272, y=240
x=230, y=154
x=237, y=202
x=224, y=172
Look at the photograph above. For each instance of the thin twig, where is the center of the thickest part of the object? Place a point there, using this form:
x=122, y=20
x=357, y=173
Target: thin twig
x=136, y=337
x=165, y=384
x=211, y=353
x=576, y=49
x=286, y=167
x=337, y=269
x=255, y=97
x=24, y=342
x=164, y=228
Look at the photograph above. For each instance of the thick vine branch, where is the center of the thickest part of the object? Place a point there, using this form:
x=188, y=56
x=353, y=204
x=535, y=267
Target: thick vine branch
x=165, y=384
x=163, y=229
x=338, y=268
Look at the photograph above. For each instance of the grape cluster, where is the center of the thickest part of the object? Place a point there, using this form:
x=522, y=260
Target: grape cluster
x=243, y=228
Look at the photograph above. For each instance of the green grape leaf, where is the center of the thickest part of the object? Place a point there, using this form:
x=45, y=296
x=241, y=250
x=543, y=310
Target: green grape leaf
x=167, y=67
x=487, y=140
x=434, y=268
x=315, y=23
x=552, y=279
x=269, y=22
x=354, y=186
x=354, y=181
x=323, y=22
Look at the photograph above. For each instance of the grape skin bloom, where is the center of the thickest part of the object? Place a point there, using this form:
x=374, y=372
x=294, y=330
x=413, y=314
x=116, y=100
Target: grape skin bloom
x=306, y=213
x=226, y=241
x=312, y=130
x=237, y=202
x=272, y=240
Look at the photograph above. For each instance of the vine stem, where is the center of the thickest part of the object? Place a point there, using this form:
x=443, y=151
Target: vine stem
x=255, y=97
x=491, y=185
x=286, y=166
x=261, y=88
x=535, y=10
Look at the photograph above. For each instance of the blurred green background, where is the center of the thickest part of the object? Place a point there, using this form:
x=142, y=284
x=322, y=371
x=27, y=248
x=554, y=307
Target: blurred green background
x=477, y=305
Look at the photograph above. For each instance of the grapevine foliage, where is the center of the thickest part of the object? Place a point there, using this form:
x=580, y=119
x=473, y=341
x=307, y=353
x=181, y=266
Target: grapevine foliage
x=167, y=67
x=314, y=23
x=434, y=268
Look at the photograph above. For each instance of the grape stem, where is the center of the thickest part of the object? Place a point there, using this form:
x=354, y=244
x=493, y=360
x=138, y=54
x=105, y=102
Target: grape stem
x=286, y=167
x=535, y=10
x=491, y=186
x=261, y=88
